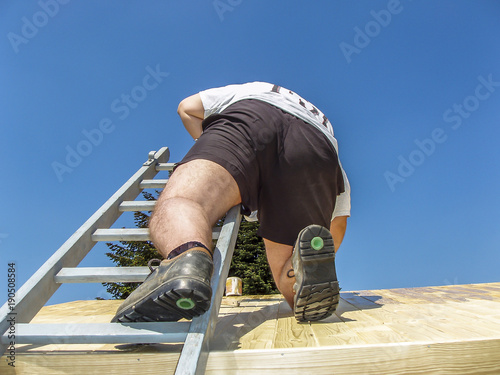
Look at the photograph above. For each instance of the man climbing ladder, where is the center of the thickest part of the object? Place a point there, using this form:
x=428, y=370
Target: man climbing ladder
x=265, y=148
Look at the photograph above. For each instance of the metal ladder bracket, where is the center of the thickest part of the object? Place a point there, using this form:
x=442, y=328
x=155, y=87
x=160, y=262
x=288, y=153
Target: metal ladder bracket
x=151, y=158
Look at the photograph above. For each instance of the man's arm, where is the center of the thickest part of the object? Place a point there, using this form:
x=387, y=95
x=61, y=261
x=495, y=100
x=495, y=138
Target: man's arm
x=337, y=228
x=192, y=113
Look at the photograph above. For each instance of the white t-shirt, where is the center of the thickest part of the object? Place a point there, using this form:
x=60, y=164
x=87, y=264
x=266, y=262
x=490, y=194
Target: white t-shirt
x=217, y=99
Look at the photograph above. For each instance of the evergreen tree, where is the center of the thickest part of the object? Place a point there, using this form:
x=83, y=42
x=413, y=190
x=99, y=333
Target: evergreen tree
x=131, y=254
x=249, y=260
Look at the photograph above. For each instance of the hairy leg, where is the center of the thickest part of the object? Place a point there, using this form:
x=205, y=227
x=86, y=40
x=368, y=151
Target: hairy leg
x=279, y=257
x=197, y=194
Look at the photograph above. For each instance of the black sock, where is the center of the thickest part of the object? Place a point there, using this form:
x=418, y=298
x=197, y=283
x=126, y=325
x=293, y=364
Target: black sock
x=186, y=246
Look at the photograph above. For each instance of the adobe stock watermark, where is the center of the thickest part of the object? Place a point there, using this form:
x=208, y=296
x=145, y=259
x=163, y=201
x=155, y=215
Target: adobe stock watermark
x=31, y=25
x=455, y=115
x=12, y=314
x=452, y=282
x=223, y=6
x=3, y=236
x=121, y=107
x=363, y=36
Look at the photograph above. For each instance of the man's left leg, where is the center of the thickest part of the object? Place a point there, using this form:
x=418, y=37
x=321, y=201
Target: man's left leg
x=305, y=274
x=279, y=257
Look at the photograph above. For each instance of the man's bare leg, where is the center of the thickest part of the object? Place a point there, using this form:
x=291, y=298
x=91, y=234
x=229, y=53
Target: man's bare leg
x=197, y=194
x=279, y=257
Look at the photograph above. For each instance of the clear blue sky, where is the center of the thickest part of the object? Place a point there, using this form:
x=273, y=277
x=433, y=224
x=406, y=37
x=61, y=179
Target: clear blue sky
x=412, y=89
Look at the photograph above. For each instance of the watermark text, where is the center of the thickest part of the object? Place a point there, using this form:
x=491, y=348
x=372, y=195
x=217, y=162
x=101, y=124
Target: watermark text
x=32, y=25
x=121, y=107
x=455, y=116
x=11, y=303
x=363, y=36
x=223, y=6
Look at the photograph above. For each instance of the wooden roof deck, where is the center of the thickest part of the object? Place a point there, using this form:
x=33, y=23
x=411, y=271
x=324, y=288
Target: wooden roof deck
x=447, y=329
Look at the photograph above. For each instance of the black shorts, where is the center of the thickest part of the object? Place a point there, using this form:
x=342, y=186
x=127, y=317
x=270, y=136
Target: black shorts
x=285, y=168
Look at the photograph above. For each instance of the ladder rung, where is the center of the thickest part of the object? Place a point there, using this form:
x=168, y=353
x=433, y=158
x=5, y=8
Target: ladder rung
x=132, y=234
x=99, y=333
x=153, y=184
x=216, y=232
x=101, y=274
x=123, y=234
x=165, y=166
x=137, y=206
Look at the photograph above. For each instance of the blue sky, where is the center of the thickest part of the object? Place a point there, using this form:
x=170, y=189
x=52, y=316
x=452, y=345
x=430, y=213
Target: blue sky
x=412, y=89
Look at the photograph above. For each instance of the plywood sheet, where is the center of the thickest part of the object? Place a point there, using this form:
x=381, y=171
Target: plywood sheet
x=455, y=328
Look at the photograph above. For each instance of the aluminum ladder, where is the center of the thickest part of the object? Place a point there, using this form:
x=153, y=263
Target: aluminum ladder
x=61, y=267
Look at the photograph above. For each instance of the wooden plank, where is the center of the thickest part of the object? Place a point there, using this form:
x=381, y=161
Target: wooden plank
x=133, y=361
x=230, y=320
x=333, y=330
x=368, y=328
x=448, y=319
x=485, y=309
x=335, y=333
x=259, y=326
x=290, y=333
x=491, y=287
x=454, y=357
x=411, y=296
x=426, y=357
x=457, y=335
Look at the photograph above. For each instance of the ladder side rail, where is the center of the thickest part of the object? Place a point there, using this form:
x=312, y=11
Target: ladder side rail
x=194, y=355
x=38, y=289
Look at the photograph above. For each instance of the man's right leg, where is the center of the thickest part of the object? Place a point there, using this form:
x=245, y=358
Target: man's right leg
x=196, y=196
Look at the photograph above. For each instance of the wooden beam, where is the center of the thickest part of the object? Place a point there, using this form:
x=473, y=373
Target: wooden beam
x=458, y=357
x=468, y=357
